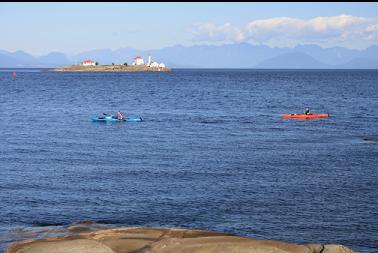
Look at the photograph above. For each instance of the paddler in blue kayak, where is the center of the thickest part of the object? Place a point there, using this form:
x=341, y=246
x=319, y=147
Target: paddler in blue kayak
x=119, y=115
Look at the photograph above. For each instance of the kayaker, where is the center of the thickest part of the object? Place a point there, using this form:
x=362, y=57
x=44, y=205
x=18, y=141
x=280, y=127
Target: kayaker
x=119, y=116
x=307, y=111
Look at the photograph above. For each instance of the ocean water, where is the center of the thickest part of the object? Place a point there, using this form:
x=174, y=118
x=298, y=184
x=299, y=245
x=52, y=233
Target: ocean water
x=212, y=153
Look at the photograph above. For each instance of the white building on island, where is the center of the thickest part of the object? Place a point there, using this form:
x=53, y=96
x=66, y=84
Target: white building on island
x=88, y=63
x=138, y=61
x=154, y=64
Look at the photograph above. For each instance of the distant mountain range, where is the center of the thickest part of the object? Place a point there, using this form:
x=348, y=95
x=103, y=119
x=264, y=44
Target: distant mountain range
x=20, y=59
x=241, y=55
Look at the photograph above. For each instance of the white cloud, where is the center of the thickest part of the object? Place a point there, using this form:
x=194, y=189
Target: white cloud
x=336, y=22
x=372, y=28
x=211, y=32
x=342, y=30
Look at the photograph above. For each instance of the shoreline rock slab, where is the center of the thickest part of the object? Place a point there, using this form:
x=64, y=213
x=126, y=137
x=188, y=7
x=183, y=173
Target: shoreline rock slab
x=164, y=240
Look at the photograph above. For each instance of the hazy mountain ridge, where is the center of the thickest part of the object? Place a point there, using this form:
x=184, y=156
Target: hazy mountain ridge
x=242, y=55
x=292, y=60
x=24, y=60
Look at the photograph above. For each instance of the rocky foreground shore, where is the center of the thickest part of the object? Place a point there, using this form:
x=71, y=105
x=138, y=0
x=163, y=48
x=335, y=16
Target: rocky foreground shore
x=110, y=68
x=161, y=240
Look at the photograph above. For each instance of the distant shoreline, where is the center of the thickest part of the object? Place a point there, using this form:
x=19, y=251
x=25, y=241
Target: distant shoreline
x=10, y=69
x=110, y=68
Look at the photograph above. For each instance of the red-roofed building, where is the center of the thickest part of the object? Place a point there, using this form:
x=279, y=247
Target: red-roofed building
x=88, y=63
x=138, y=61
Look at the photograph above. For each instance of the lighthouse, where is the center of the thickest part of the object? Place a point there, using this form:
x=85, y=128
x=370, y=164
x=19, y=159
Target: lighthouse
x=149, y=60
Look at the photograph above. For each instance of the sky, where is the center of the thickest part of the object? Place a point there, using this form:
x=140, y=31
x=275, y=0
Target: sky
x=39, y=28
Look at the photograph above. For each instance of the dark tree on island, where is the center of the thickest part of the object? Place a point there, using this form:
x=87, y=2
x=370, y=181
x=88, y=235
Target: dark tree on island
x=96, y=63
x=125, y=64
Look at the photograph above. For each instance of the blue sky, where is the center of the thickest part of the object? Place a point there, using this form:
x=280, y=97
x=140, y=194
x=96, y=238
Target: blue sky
x=39, y=28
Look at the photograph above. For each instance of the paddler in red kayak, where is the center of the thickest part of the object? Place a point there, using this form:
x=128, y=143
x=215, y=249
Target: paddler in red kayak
x=307, y=111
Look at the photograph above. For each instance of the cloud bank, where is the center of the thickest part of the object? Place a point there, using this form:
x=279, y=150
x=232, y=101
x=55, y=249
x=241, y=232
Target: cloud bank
x=342, y=30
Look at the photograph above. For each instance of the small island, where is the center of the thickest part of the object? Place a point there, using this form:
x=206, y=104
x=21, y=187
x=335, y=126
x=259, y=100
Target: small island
x=136, y=66
x=109, y=68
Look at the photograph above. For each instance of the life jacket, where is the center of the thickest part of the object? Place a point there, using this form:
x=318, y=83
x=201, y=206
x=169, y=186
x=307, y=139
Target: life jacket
x=118, y=115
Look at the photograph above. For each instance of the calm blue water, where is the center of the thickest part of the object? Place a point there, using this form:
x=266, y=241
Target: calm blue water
x=212, y=153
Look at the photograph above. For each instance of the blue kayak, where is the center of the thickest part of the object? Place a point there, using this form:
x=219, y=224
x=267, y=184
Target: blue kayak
x=112, y=119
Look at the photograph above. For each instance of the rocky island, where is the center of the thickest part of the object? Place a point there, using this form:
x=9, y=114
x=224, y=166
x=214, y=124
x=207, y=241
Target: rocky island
x=85, y=238
x=137, y=65
x=110, y=68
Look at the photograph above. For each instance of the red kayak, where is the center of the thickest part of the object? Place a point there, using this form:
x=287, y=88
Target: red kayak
x=305, y=116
